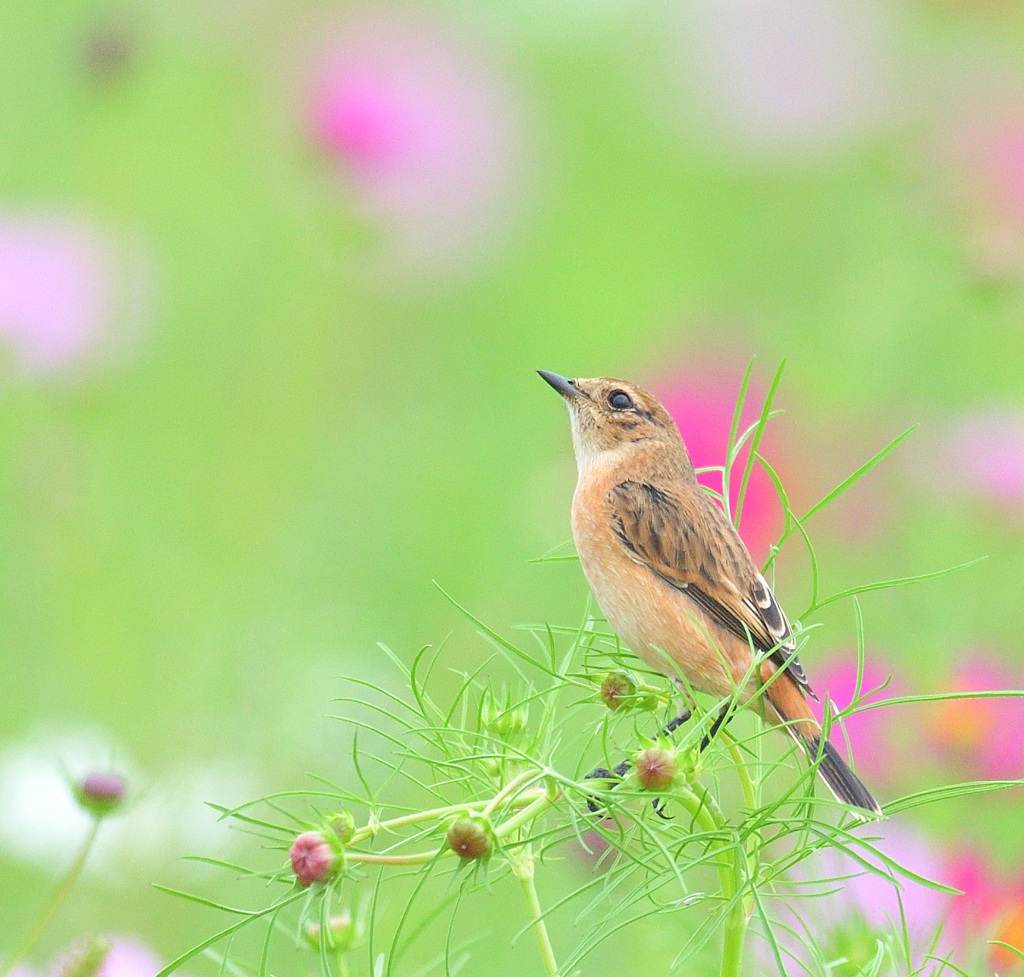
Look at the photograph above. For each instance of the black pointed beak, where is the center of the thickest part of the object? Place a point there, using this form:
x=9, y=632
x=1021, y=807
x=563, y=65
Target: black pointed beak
x=567, y=388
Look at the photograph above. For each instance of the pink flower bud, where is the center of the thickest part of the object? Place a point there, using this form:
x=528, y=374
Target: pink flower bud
x=100, y=793
x=313, y=859
x=656, y=768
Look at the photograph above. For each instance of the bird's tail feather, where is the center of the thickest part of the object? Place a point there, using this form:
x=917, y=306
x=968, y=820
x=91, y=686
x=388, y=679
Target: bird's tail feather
x=789, y=704
x=838, y=777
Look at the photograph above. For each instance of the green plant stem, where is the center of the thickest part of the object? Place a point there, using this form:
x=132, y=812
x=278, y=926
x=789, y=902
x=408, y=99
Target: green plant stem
x=732, y=874
x=53, y=906
x=372, y=858
x=510, y=788
x=526, y=815
x=522, y=866
x=371, y=830
x=750, y=799
x=536, y=802
x=741, y=770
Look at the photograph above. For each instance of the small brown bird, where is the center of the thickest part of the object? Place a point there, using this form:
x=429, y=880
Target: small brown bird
x=671, y=574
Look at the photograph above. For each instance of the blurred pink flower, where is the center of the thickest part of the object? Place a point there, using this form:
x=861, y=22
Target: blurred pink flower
x=425, y=131
x=129, y=958
x=56, y=290
x=984, y=155
x=871, y=733
x=702, y=405
x=984, y=456
x=985, y=735
x=124, y=957
x=1006, y=165
x=867, y=905
x=785, y=74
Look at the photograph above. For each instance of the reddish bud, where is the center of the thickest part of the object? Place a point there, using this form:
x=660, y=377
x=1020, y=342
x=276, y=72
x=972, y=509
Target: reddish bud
x=313, y=859
x=656, y=768
x=471, y=837
x=100, y=793
x=616, y=690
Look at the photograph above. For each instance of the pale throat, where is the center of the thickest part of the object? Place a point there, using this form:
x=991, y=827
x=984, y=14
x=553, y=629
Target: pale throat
x=592, y=457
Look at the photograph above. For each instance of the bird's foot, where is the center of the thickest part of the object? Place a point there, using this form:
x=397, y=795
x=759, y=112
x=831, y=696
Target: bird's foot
x=620, y=771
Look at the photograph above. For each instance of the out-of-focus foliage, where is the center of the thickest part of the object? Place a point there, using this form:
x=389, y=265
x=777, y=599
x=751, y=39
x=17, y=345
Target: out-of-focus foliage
x=274, y=279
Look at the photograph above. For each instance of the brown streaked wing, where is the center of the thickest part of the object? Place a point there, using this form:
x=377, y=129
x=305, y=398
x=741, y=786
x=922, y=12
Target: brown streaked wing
x=658, y=531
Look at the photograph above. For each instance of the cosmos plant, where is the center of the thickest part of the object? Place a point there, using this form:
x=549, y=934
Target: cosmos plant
x=458, y=786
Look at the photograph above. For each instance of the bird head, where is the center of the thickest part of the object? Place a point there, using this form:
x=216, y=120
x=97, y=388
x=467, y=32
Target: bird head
x=609, y=415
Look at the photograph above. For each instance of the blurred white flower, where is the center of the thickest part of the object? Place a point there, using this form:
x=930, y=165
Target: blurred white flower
x=162, y=818
x=783, y=75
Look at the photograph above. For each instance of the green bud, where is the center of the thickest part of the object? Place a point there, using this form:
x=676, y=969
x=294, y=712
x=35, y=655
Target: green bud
x=471, y=837
x=504, y=722
x=656, y=768
x=342, y=933
x=84, y=960
x=343, y=825
x=492, y=767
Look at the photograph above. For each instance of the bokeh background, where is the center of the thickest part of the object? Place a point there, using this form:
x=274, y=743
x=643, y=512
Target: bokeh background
x=274, y=280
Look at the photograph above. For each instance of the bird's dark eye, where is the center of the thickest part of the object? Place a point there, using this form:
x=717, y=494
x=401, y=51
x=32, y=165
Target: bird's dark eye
x=619, y=400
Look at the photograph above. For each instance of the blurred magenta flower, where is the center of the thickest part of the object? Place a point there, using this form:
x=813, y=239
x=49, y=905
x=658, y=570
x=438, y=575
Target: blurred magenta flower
x=875, y=749
x=969, y=869
x=424, y=130
x=56, y=290
x=991, y=908
x=785, y=75
x=702, y=403
x=986, y=736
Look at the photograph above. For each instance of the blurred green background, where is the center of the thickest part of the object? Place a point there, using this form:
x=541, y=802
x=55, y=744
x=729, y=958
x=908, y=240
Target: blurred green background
x=274, y=280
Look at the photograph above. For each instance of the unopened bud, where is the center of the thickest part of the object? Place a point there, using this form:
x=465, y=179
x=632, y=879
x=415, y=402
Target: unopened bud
x=84, y=960
x=617, y=688
x=313, y=858
x=343, y=825
x=506, y=723
x=100, y=793
x=471, y=837
x=656, y=768
x=341, y=933
x=491, y=766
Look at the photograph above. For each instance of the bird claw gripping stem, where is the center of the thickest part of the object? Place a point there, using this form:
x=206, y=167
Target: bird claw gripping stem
x=620, y=771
